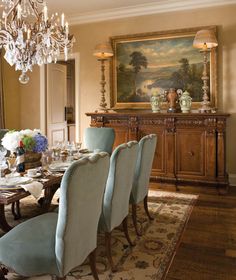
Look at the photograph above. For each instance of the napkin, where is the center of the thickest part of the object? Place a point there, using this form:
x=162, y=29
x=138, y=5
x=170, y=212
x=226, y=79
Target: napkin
x=35, y=188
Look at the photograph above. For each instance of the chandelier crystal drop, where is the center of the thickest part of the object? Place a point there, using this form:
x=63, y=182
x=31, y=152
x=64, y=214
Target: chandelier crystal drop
x=29, y=36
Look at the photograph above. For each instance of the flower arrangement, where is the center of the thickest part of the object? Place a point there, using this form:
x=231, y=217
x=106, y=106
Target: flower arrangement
x=32, y=140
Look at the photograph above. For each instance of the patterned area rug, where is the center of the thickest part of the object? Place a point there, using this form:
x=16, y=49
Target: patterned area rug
x=151, y=257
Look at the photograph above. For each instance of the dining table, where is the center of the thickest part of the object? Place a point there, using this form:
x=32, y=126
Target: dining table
x=50, y=177
x=51, y=182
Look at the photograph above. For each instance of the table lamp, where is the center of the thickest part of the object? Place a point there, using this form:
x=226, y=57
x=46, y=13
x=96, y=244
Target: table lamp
x=205, y=40
x=103, y=52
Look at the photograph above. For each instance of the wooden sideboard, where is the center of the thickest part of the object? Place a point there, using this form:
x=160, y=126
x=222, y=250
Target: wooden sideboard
x=190, y=147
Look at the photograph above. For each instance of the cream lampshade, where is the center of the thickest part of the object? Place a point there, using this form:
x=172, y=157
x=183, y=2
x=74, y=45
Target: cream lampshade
x=103, y=51
x=205, y=39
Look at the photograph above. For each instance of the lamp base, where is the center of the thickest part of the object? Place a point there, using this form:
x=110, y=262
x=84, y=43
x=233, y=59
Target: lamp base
x=204, y=109
x=102, y=110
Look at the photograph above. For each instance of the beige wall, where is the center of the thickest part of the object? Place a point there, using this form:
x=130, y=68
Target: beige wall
x=30, y=101
x=88, y=35
x=11, y=96
x=21, y=101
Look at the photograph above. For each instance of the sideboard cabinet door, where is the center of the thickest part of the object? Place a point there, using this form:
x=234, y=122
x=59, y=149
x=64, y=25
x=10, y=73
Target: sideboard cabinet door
x=190, y=153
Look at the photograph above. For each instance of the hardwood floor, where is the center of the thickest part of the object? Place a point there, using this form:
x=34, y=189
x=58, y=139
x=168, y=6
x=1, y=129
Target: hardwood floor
x=207, y=249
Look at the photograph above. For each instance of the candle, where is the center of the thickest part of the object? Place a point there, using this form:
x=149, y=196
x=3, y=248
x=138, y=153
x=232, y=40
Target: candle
x=66, y=53
x=19, y=11
x=45, y=13
x=62, y=20
x=67, y=28
x=28, y=34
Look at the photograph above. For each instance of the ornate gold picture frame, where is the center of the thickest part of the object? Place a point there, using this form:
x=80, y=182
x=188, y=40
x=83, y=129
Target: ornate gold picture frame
x=146, y=62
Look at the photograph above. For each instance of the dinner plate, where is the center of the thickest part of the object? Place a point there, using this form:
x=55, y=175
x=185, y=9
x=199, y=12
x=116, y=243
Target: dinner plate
x=59, y=166
x=13, y=182
x=34, y=176
x=84, y=151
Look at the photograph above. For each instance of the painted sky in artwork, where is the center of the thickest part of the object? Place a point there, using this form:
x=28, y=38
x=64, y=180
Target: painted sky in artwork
x=160, y=53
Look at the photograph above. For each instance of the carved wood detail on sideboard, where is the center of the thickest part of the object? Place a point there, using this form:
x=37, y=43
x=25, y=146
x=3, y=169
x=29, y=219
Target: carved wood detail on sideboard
x=190, y=147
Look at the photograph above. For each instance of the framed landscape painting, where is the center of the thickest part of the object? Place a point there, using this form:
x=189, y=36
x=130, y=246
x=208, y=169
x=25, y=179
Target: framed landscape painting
x=149, y=63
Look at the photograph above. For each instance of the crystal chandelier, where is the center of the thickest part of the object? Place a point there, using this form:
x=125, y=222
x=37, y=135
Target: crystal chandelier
x=29, y=36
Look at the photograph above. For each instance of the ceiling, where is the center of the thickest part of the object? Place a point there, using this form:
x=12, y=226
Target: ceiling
x=79, y=11
x=84, y=11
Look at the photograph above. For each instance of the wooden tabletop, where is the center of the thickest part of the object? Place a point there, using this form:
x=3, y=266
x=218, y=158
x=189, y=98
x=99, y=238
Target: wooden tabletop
x=10, y=196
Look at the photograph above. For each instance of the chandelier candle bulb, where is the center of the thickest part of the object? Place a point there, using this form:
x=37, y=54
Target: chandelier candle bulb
x=67, y=29
x=19, y=11
x=66, y=53
x=45, y=12
x=28, y=34
x=62, y=20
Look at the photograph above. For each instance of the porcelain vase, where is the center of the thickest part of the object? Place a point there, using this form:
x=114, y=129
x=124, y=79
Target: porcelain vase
x=155, y=103
x=185, y=102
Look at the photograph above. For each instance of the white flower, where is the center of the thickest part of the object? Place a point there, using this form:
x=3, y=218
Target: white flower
x=37, y=131
x=27, y=132
x=11, y=140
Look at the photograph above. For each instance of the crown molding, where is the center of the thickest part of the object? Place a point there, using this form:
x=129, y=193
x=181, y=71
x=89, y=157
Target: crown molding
x=146, y=9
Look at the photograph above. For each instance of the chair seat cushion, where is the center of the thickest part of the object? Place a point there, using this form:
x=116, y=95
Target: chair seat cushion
x=35, y=245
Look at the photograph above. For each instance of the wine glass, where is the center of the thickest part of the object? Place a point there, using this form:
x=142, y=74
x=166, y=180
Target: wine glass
x=69, y=147
x=78, y=145
x=11, y=161
x=56, y=148
x=46, y=159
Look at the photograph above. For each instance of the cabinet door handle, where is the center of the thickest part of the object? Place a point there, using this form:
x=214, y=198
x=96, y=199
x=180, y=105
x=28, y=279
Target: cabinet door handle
x=191, y=153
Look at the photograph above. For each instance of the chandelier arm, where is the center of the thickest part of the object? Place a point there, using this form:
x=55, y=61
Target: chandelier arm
x=34, y=7
x=5, y=35
x=39, y=1
x=13, y=9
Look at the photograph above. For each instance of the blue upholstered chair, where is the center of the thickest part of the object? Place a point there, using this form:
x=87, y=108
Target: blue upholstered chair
x=99, y=138
x=55, y=243
x=139, y=192
x=117, y=193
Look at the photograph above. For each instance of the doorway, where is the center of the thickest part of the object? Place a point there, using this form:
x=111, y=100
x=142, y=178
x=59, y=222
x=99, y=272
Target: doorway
x=69, y=112
x=69, y=109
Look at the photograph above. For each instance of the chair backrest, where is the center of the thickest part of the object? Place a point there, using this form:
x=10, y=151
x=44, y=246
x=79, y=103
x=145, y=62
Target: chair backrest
x=101, y=138
x=147, y=147
x=81, y=195
x=118, y=187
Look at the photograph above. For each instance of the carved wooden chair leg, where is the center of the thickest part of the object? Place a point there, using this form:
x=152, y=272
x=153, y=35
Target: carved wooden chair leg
x=3, y=272
x=125, y=227
x=134, y=217
x=146, y=208
x=108, y=250
x=92, y=263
